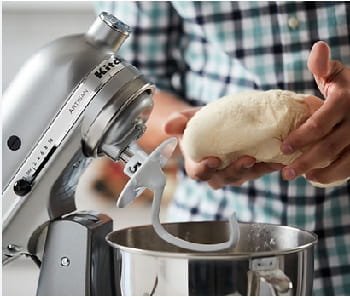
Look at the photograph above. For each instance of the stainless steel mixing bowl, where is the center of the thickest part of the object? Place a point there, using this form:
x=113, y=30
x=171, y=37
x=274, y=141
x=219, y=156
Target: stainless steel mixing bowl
x=268, y=260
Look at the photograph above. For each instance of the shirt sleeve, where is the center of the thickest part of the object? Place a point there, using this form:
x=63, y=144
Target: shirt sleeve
x=154, y=44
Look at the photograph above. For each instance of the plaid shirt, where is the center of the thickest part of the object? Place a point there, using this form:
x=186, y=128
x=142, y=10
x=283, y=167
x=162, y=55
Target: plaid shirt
x=204, y=50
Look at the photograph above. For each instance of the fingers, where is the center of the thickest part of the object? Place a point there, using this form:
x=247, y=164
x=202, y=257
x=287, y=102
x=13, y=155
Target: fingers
x=316, y=127
x=207, y=168
x=203, y=170
x=327, y=128
x=276, y=166
x=325, y=151
x=322, y=67
x=319, y=59
x=177, y=121
x=238, y=178
x=239, y=172
x=313, y=103
x=236, y=171
x=244, y=162
x=258, y=170
x=337, y=171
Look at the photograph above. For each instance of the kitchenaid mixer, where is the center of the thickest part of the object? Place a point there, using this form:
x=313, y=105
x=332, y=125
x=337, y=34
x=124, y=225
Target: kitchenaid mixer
x=76, y=100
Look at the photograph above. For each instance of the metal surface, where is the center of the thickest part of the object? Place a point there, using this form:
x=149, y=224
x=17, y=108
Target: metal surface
x=117, y=123
x=112, y=36
x=75, y=83
x=11, y=252
x=75, y=248
x=74, y=99
x=34, y=211
x=44, y=82
x=59, y=67
x=62, y=194
x=150, y=266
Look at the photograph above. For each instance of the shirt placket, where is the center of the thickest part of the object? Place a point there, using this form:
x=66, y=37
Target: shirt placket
x=291, y=19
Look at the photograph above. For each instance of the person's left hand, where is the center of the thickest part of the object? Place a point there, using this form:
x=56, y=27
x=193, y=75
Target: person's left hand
x=327, y=132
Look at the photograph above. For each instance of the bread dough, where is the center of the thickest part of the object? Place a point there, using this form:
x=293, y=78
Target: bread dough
x=252, y=123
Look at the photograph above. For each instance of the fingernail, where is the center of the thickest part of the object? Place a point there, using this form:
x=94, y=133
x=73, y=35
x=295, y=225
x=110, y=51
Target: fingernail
x=289, y=173
x=248, y=165
x=286, y=149
x=213, y=163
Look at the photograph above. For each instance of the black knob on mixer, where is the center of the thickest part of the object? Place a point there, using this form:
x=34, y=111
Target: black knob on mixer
x=22, y=187
x=14, y=143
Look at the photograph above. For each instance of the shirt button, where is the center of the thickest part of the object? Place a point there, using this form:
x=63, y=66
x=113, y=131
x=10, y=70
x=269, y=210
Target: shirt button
x=293, y=22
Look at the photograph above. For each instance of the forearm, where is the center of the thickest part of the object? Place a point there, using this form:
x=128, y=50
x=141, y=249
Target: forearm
x=164, y=104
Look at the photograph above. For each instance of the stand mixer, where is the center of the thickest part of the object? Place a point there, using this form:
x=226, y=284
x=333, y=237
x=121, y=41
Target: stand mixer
x=75, y=100
x=58, y=113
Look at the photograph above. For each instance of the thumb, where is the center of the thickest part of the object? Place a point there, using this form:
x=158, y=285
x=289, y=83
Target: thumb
x=177, y=121
x=319, y=60
x=324, y=69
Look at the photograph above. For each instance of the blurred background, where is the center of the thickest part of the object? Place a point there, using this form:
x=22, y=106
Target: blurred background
x=26, y=27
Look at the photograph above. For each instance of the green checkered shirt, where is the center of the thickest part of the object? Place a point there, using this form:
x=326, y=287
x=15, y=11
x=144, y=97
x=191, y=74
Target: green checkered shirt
x=204, y=50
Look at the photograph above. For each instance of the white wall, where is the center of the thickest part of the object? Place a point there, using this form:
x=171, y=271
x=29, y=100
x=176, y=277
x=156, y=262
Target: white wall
x=27, y=26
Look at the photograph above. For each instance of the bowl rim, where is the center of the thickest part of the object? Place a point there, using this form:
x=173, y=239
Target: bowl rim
x=217, y=255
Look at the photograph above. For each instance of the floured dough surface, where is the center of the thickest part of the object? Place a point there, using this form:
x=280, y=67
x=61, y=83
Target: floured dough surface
x=252, y=123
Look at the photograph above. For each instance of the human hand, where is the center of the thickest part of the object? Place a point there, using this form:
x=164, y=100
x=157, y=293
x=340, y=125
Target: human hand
x=236, y=173
x=327, y=132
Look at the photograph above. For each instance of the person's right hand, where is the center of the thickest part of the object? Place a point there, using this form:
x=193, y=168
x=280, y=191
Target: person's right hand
x=235, y=174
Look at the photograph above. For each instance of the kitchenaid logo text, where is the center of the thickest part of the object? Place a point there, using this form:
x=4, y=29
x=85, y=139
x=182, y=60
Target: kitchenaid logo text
x=77, y=102
x=106, y=67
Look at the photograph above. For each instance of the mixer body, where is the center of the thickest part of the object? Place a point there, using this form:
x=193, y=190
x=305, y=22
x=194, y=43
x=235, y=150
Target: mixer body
x=73, y=100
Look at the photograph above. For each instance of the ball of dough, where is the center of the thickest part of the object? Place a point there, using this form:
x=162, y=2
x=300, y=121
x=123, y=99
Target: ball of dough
x=252, y=123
